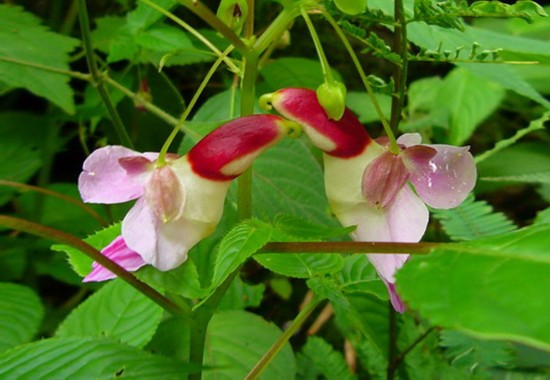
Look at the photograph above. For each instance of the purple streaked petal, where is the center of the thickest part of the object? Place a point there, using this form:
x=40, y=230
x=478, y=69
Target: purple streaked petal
x=165, y=194
x=118, y=252
x=104, y=180
x=445, y=180
x=409, y=139
x=383, y=178
x=395, y=300
x=163, y=245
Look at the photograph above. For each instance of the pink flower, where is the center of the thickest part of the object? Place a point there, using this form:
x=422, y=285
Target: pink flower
x=367, y=186
x=179, y=202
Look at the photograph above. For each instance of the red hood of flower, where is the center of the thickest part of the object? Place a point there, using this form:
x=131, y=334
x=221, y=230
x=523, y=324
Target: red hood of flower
x=301, y=105
x=234, y=140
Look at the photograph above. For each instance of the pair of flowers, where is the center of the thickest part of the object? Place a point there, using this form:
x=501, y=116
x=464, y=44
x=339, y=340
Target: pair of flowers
x=180, y=201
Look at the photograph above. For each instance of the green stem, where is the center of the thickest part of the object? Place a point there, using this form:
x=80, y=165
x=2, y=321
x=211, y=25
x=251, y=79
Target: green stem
x=394, y=148
x=97, y=78
x=70, y=73
x=277, y=27
x=190, y=106
x=400, y=71
x=325, y=67
x=283, y=339
x=350, y=247
x=194, y=32
x=65, y=238
x=392, y=342
x=249, y=23
x=51, y=193
x=399, y=358
x=211, y=19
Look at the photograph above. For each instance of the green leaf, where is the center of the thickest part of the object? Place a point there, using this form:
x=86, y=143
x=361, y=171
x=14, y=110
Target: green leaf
x=294, y=72
x=116, y=311
x=492, y=288
x=473, y=220
x=20, y=315
x=81, y=263
x=143, y=16
x=297, y=228
x=241, y=295
x=238, y=245
x=328, y=362
x=463, y=102
x=541, y=177
x=85, y=358
x=300, y=265
x=361, y=105
x=22, y=38
x=242, y=335
x=359, y=276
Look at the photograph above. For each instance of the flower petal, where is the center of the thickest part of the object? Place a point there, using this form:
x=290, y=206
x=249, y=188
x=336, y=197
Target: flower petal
x=104, y=180
x=383, y=178
x=119, y=252
x=395, y=300
x=163, y=245
x=446, y=179
x=165, y=194
x=409, y=139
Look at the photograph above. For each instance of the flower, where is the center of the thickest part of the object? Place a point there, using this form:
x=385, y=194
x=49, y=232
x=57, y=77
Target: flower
x=179, y=201
x=366, y=185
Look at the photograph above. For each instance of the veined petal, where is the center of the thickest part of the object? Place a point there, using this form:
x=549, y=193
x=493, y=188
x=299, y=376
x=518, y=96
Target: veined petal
x=383, y=178
x=119, y=252
x=165, y=194
x=445, y=180
x=104, y=180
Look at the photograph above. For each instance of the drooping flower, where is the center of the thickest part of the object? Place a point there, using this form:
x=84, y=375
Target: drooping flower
x=367, y=185
x=180, y=201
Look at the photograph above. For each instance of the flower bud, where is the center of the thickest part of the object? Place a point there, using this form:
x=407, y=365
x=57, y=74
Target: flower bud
x=332, y=97
x=233, y=13
x=351, y=7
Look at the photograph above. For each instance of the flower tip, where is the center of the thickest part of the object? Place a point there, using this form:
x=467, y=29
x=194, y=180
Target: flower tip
x=291, y=128
x=265, y=101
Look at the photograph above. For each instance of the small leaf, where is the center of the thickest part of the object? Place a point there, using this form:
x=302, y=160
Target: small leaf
x=359, y=276
x=327, y=361
x=241, y=295
x=20, y=315
x=85, y=358
x=116, y=311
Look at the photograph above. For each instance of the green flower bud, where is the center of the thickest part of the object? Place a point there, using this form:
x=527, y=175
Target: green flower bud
x=351, y=7
x=233, y=13
x=332, y=97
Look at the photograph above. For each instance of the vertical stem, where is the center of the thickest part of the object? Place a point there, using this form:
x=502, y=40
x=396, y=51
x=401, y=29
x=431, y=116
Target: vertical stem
x=392, y=346
x=320, y=52
x=399, y=72
x=249, y=24
x=97, y=78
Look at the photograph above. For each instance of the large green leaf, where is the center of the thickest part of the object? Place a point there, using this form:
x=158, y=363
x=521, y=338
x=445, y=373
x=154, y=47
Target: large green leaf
x=20, y=315
x=300, y=265
x=361, y=104
x=493, y=288
x=86, y=358
x=294, y=72
x=22, y=38
x=116, y=311
x=242, y=335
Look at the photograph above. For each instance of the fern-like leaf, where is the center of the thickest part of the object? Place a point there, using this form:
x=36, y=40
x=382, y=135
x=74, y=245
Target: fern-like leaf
x=472, y=220
x=322, y=360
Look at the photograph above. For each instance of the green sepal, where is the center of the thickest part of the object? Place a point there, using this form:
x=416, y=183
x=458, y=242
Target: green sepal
x=351, y=7
x=332, y=97
x=233, y=13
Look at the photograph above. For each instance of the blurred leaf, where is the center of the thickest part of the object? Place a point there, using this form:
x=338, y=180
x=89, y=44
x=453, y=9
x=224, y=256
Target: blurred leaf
x=115, y=311
x=143, y=16
x=360, y=103
x=282, y=287
x=473, y=220
x=359, y=276
x=241, y=295
x=21, y=313
x=543, y=217
x=242, y=335
x=13, y=258
x=294, y=72
x=328, y=363
x=297, y=228
x=541, y=177
x=22, y=38
x=527, y=10
x=81, y=263
x=490, y=288
x=85, y=358
x=463, y=102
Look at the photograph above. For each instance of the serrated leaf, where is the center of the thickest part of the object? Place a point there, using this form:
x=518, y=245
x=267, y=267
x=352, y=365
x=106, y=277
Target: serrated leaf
x=329, y=362
x=238, y=245
x=301, y=265
x=359, y=276
x=22, y=38
x=81, y=263
x=478, y=287
x=144, y=16
x=241, y=295
x=472, y=220
x=115, y=311
x=20, y=315
x=86, y=358
x=242, y=335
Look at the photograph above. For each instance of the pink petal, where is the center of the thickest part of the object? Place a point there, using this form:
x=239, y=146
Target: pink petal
x=445, y=180
x=165, y=194
x=409, y=139
x=383, y=178
x=395, y=300
x=104, y=180
x=118, y=252
x=163, y=245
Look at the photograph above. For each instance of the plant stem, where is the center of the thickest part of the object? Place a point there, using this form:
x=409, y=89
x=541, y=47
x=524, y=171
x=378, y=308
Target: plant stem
x=211, y=19
x=394, y=148
x=65, y=238
x=249, y=23
x=325, y=67
x=51, y=69
x=283, y=339
x=55, y=194
x=399, y=358
x=392, y=342
x=399, y=72
x=350, y=247
x=97, y=78
x=277, y=27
